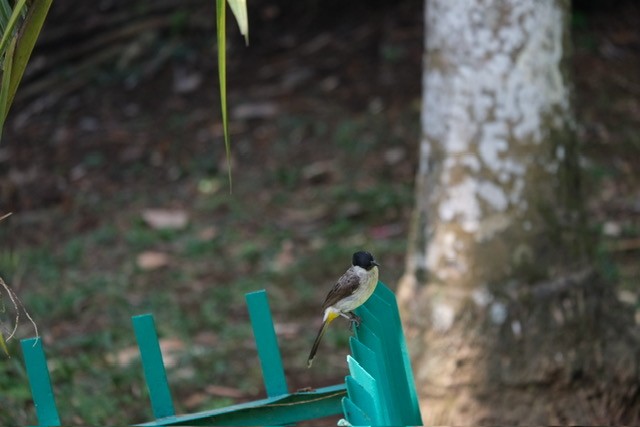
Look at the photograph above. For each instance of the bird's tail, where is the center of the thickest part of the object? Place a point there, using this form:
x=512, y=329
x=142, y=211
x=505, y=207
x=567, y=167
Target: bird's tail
x=321, y=332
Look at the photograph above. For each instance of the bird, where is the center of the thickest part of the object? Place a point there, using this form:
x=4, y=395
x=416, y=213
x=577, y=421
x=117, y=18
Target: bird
x=352, y=290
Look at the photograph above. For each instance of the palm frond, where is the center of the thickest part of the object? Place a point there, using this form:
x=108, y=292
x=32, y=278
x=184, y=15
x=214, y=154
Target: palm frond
x=13, y=20
x=239, y=9
x=20, y=32
x=222, y=75
x=5, y=14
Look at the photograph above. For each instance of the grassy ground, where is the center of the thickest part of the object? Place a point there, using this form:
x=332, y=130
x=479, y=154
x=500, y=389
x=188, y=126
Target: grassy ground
x=271, y=233
x=325, y=125
x=330, y=172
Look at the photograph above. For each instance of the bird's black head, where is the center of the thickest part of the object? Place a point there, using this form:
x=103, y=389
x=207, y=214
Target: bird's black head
x=364, y=260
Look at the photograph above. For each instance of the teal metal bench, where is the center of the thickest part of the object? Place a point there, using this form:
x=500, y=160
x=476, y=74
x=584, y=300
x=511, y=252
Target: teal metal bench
x=379, y=389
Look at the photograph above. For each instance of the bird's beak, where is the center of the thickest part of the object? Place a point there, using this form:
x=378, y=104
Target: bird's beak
x=375, y=263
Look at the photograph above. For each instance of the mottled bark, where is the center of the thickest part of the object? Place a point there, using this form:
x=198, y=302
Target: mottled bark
x=499, y=287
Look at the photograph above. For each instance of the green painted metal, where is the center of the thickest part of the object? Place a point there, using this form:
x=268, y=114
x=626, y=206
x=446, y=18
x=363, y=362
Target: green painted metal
x=368, y=361
x=153, y=366
x=376, y=343
x=40, y=382
x=365, y=357
x=267, y=343
x=379, y=390
x=362, y=398
x=398, y=370
x=381, y=333
x=281, y=410
x=362, y=377
x=399, y=347
x=354, y=415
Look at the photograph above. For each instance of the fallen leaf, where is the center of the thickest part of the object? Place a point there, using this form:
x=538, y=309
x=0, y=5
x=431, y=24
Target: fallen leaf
x=611, y=229
x=288, y=329
x=286, y=257
x=152, y=260
x=208, y=233
x=393, y=156
x=172, y=219
x=307, y=215
x=170, y=348
x=257, y=110
x=351, y=209
x=206, y=338
x=194, y=401
x=124, y=357
x=219, y=390
x=185, y=81
x=319, y=172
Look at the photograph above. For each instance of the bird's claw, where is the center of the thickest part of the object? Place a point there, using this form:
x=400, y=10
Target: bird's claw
x=354, y=319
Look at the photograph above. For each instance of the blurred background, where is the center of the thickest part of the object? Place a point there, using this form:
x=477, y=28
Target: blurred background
x=113, y=165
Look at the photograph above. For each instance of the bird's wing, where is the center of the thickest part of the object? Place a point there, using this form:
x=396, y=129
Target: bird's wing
x=346, y=285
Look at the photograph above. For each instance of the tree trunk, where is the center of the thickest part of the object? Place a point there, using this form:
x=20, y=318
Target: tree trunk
x=508, y=321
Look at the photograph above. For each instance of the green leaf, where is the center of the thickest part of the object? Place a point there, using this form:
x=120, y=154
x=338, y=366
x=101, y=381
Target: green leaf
x=16, y=57
x=5, y=13
x=13, y=20
x=222, y=73
x=3, y=345
x=27, y=38
x=6, y=83
x=239, y=9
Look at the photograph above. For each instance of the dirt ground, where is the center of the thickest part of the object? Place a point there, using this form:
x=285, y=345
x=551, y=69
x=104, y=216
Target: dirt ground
x=118, y=117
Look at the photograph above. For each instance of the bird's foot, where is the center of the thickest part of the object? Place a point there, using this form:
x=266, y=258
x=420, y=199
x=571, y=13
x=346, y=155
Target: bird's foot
x=354, y=319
